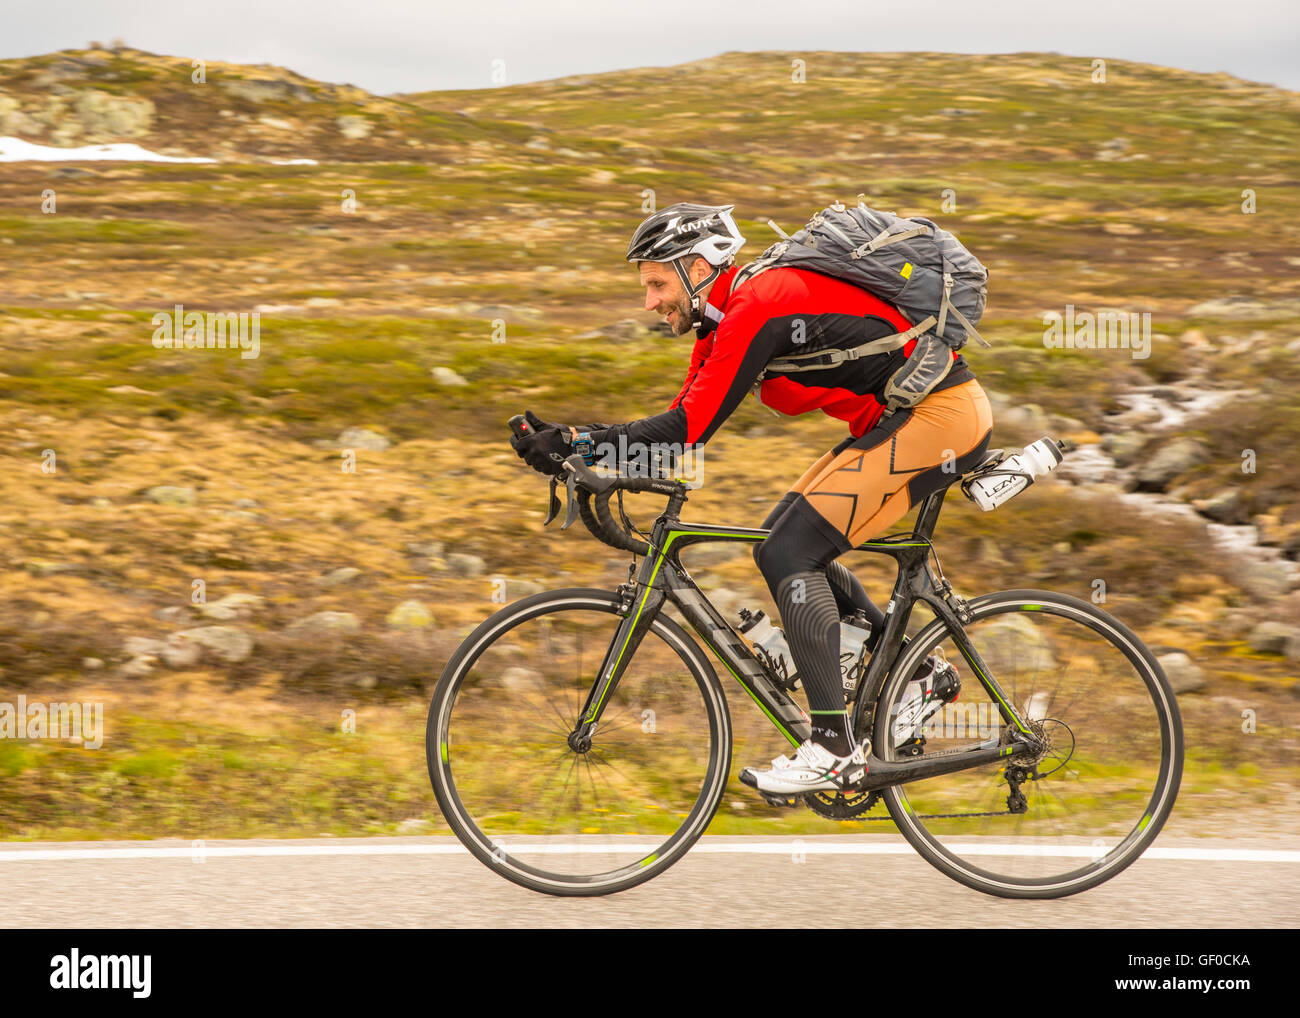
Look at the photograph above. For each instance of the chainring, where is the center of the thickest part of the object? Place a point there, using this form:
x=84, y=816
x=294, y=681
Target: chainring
x=841, y=805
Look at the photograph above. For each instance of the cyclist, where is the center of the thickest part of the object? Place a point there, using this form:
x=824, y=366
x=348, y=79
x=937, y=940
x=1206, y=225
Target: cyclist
x=854, y=492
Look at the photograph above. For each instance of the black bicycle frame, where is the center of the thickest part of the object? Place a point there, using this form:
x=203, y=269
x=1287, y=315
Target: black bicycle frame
x=662, y=577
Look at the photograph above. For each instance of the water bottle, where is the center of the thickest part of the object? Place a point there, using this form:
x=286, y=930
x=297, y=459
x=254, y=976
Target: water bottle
x=854, y=632
x=770, y=646
x=1014, y=474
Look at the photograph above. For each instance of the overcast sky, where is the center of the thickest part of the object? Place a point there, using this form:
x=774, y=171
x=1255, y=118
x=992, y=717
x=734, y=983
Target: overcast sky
x=416, y=45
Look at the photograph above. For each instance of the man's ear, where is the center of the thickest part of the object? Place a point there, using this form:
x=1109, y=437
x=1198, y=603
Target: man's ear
x=700, y=270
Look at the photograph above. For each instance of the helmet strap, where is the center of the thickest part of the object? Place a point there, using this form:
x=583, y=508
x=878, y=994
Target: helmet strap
x=694, y=290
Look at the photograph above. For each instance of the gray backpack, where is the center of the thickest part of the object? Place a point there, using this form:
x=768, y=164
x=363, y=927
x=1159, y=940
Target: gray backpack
x=924, y=271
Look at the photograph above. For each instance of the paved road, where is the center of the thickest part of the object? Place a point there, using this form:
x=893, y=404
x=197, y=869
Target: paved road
x=725, y=882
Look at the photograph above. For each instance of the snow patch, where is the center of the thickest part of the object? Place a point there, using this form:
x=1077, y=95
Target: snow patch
x=15, y=150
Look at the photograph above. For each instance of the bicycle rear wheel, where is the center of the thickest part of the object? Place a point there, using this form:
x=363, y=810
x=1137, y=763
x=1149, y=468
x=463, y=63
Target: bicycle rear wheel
x=558, y=819
x=1105, y=781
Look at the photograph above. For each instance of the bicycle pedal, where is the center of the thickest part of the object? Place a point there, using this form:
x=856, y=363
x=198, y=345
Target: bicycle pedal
x=782, y=801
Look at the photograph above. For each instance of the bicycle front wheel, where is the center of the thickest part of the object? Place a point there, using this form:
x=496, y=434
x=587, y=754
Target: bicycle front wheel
x=569, y=821
x=1094, y=797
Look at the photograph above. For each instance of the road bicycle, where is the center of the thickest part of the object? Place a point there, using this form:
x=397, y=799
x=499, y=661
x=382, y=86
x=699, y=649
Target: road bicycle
x=579, y=740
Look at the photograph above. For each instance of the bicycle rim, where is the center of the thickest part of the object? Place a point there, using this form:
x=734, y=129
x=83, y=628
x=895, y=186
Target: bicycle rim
x=557, y=819
x=1101, y=789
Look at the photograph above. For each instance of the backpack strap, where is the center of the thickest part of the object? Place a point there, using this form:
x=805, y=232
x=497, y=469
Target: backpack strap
x=820, y=359
x=884, y=238
x=970, y=329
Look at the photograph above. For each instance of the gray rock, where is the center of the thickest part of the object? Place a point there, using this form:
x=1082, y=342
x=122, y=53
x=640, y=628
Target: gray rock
x=1123, y=446
x=415, y=825
x=509, y=313
x=179, y=653
x=446, y=376
x=1268, y=579
x=361, y=438
x=1272, y=637
x=522, y=588
x=91, y=664
x=338, y=577
x=1245, y=307
x=326, y=622
x=409, y=615
x=232, y=606
x=168, y=494
x=1013, y=641
x=1059, y=422
x=354, y=128
x=225, y=642
x=247, y=503
x=174, y=613
x=1234, y=624
x=138, y=667
x=463, y=564
x=1169, y=461
x=1027, y=416
x=138, y=646
x=1185, y=676
x=1224, y=506
x=426, y=548
x=518, y=680
x=624, y=330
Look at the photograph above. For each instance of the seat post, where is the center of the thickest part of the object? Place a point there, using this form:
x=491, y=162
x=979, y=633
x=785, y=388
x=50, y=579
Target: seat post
x=929, y=514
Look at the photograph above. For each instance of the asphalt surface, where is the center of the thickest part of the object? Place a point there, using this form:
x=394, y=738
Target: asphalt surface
x=860, y=881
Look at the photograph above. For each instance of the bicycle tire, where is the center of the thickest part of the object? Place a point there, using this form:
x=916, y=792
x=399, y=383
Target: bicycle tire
x=952, y=855
x=518, y=860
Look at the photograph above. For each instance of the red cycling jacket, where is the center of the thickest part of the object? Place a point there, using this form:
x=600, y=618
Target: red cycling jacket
x=778, y=312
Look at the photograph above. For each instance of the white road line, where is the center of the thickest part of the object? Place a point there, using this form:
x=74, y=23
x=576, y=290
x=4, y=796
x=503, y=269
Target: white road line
x=705, y=847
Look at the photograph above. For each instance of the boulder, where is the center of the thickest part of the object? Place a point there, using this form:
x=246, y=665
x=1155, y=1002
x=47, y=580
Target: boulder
x=338, y=577
x=325, y=622
x=1185, y=676
x=1013, y=640
x=225, y=642
x=232, y=606
x=1273, y=637
x=1168, y=462
x=446, y=376
x=362, y=438
x=1225, y=506
x=169, y=494
x=409, y=615
x=463, y=564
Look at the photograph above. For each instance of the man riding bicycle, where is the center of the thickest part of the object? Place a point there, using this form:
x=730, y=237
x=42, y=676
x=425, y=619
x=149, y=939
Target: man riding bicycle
x=852, y=493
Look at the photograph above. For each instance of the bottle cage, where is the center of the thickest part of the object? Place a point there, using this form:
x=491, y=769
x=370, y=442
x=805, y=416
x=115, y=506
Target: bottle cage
x=991, y=466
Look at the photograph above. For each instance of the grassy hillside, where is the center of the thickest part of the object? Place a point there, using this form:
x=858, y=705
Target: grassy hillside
x=379, y=273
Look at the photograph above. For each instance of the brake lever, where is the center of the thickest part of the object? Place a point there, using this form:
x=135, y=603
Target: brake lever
x=554, y=503
x=572, y=487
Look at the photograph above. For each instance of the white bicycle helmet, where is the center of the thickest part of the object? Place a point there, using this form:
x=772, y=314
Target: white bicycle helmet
x=680, y=233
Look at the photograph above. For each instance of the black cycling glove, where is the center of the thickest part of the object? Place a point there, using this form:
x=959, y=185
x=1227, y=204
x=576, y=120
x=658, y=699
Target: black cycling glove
x=546, y=446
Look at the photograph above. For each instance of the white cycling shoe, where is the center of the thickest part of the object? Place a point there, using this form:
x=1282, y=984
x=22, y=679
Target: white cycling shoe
x=813, y=769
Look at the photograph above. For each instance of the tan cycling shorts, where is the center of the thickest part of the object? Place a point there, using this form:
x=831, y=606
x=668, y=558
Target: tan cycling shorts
x=864, y=486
